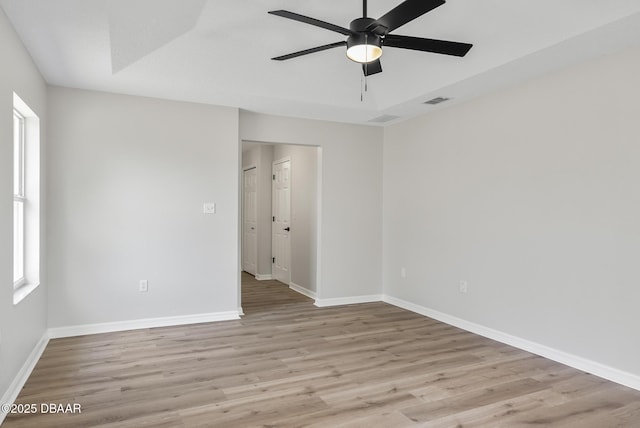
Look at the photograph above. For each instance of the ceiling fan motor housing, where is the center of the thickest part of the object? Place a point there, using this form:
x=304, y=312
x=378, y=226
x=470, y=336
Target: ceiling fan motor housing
x=360, y=25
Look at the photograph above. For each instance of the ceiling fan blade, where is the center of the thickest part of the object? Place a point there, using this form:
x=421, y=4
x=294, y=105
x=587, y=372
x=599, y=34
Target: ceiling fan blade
x=427, y=45
x=403, y=13
x=311, y=21
x=373, y=67
x=309, y=51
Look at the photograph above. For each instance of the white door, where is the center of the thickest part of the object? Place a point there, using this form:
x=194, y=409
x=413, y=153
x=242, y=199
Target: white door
x=249, y=221
x=281, y=207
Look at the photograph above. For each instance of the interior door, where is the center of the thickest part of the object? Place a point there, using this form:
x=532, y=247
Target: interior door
x=281, y=210
x=249, y=221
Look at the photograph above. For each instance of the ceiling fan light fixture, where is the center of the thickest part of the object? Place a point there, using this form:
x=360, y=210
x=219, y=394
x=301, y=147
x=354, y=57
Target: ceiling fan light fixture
x=364, y=47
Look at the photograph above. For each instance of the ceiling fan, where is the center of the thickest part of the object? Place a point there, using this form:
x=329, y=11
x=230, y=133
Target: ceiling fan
x=366, y=36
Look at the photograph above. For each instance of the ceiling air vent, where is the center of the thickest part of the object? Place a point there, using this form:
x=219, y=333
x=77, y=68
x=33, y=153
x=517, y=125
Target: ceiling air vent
x=436, y=100
x=384, y=118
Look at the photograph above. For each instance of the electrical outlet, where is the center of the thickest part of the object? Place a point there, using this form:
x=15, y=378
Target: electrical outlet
x=403, y=272
x=144, y=286
x=464, y=286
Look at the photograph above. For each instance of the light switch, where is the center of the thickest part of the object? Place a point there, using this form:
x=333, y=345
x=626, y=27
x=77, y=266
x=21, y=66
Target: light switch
x=209, y=208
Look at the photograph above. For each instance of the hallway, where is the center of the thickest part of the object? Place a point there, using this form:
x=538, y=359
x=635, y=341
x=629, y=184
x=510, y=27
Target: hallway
x=268, y=296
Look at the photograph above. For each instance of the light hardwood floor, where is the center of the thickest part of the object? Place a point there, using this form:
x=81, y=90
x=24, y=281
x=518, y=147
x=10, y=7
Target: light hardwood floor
x=290, y=364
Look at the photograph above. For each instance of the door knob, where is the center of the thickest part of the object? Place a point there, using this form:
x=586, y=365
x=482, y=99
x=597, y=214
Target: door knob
x=287, y=229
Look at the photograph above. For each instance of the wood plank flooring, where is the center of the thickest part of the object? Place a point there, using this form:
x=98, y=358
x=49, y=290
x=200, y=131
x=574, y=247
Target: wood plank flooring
x=290, y=364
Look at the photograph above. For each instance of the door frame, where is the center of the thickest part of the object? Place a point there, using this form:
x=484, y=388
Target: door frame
x=244, y=170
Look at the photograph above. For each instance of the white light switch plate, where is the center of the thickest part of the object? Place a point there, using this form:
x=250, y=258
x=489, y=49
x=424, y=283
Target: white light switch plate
x=209, y=208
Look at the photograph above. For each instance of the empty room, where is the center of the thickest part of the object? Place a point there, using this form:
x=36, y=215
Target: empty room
x=354, y=213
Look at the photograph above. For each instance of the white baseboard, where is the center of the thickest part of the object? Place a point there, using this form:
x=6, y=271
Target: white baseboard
x=304, y=291
x=337, y=301
x=264, y=277
x=81, y=330
x=606, y=372
x=23, y=374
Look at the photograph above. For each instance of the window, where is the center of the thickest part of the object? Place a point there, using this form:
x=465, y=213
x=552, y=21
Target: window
x=18, y=199
x=26, y=200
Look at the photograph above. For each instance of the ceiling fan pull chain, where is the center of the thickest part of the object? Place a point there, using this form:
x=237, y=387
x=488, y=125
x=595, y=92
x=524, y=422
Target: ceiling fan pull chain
x=366, y=64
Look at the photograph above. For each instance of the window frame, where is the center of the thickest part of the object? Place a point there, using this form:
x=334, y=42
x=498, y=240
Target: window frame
x=19, y=197
x=26, y=193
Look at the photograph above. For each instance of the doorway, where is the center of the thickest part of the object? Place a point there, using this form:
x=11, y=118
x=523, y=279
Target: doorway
x=287, y=213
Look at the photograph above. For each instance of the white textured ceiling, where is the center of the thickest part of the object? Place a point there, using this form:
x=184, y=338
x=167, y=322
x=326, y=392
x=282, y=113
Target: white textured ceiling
x=218, y=51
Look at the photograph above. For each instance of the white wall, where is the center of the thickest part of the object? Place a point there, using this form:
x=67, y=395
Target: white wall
x=304, y=208
x=350, y=238
x=531, y=195
x=22, y=325
x=128, y=178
